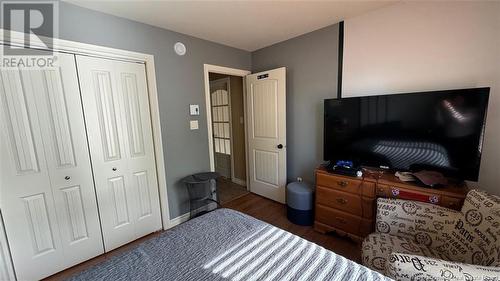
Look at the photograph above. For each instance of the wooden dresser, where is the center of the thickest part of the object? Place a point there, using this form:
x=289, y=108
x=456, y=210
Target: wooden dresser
x=347, y=205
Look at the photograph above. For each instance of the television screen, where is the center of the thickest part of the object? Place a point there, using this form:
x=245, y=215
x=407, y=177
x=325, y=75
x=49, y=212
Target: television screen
x=441, y=131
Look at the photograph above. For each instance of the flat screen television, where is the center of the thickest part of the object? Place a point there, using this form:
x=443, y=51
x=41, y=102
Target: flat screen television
x=440, y=131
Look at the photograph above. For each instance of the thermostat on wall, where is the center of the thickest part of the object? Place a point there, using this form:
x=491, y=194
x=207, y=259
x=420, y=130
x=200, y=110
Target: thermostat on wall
x=194, y=109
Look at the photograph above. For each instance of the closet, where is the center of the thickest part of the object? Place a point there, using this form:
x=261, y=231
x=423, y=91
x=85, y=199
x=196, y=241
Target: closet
x=78, y=172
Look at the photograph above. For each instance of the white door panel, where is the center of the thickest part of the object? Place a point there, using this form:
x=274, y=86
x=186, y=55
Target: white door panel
x=51, y=223
x=116, y=108
x=67, y=157
x=266, y=113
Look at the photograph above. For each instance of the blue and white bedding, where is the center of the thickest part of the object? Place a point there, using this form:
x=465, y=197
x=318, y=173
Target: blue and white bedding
x=228, y=245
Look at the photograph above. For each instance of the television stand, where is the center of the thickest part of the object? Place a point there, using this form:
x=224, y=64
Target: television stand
x=347, y=205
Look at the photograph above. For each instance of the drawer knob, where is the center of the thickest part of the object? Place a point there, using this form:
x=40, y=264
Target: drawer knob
x=342, y=183
x=341, y=201
x=341, y=220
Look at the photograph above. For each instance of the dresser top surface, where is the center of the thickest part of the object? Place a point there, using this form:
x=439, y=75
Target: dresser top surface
x=455, y=190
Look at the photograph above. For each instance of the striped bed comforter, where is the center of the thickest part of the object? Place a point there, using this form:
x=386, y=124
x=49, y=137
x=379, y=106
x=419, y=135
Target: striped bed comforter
x=228, y=245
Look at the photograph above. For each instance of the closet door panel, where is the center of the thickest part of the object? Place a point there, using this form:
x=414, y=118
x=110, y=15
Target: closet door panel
x=140, y=143
x=103, y=105
x=116, y=108
x=67, y=157
x=25, y=192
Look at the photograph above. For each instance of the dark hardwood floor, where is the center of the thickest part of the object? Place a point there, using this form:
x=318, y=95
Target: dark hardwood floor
x=256, y=206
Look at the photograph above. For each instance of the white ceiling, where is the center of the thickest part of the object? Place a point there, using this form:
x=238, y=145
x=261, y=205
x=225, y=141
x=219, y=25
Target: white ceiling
x=248, y=25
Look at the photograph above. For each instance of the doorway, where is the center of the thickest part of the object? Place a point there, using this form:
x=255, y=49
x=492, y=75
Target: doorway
x=228, y=134
x=260, y=115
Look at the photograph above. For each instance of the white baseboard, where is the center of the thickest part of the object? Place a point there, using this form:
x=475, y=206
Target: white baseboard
x=185, y=217
x=239, y=181
x=178, y=220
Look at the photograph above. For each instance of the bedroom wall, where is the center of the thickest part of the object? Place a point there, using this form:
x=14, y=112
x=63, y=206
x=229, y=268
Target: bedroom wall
x=311, y=62
x=418, y=46
x=180, y=83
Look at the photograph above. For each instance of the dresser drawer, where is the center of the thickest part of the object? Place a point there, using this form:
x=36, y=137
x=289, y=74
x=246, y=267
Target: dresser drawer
x=344, y=201
x=338, y=219
x=338, y=182
x=384, y=190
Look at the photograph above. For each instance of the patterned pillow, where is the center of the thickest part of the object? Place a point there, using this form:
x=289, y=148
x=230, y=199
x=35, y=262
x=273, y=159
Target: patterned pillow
x=475, y=236
x=423, y=223
x=418, y=268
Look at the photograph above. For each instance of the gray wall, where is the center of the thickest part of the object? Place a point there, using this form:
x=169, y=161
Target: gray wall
x=180, y=83
x=311, y=62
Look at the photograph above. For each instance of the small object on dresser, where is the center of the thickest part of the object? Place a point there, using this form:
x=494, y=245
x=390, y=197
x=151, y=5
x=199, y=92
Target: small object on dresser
x=300, y=203
x=431, y=178
x=405, y=176
x=344, y=167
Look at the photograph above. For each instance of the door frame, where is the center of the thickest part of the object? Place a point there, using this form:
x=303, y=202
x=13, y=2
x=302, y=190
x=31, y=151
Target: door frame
x=77, y=48
x=207, y=69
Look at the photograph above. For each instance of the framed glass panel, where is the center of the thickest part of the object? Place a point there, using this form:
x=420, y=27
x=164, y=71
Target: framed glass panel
x=224, y=98
x=216, y=144
x=216, y=129
x=225, y=116
x=214, y=98
x=226, y=130
x=227, y=147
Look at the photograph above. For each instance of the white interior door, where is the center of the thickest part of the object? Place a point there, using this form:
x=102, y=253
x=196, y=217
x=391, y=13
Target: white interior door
x=116, y=108
x=221, y=125
x=47, y=194
x=266, y=114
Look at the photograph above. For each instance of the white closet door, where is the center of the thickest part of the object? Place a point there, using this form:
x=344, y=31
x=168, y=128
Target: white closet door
x=67, y=155
x=51, y=223
x=116, y=108
x=6, y=269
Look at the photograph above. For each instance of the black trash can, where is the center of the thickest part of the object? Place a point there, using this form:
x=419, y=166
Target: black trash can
x=202, y=190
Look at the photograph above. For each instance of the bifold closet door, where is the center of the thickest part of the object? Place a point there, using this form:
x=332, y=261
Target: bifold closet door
x=47, y=194
x=116, y=108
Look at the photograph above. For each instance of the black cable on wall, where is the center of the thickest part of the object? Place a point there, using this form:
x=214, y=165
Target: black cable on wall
x=340, y=60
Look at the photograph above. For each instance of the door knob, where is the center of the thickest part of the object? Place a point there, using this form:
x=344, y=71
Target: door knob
x=280, y=146
x=67, y=178
x=114, y=169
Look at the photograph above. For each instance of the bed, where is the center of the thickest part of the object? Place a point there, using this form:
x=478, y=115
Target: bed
x=227, y=245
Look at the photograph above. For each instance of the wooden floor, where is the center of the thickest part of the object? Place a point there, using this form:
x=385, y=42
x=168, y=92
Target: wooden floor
x=261, y=208
x=228, y=190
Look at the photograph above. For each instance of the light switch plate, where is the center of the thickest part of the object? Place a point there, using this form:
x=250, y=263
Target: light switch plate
x=194, y=109
x=193, y=124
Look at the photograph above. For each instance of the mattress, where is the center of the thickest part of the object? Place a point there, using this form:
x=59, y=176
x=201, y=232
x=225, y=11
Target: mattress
x=227, y=245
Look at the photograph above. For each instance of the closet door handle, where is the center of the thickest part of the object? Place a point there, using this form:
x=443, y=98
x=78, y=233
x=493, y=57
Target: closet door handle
x=67, y=178
x=114, y=169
